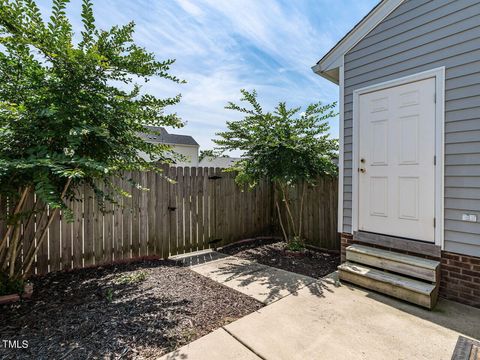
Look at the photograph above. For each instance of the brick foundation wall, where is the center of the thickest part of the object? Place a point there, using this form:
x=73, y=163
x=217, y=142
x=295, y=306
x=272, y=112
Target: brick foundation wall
x=345, y=241
x=460, y=278
x=460, y=274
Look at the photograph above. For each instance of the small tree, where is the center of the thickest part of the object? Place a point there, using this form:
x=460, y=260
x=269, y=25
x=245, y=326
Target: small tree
x=70, y=114
x=286, y=146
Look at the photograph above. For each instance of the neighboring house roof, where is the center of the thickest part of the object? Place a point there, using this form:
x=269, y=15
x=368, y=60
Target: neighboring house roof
x=329, y=64
x=165, y=138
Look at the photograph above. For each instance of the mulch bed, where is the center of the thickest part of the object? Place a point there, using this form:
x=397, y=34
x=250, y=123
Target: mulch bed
x=314, y=263
x=138, y=310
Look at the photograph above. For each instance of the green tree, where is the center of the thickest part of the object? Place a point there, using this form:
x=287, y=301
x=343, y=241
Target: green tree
x=286, y=146
x=70, y=114
x=210, y=154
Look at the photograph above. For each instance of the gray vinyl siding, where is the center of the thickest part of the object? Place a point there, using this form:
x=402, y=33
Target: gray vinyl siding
x=421, y=35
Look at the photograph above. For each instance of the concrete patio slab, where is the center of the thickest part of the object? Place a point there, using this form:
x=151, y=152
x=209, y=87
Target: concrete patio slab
x=263, y=283
x=218, y=345
x=328, y=321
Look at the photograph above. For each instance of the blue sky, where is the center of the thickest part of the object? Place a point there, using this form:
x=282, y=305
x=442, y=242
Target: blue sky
x=222, y=46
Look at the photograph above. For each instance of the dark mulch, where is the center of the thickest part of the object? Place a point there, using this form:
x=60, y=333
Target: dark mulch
x=314, y=263
x=138, y=310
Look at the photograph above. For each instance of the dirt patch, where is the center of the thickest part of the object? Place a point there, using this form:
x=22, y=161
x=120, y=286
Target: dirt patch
x=314, y=263
x=139, y=310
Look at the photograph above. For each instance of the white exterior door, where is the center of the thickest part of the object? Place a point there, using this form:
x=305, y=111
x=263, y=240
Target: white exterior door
x=397, y=161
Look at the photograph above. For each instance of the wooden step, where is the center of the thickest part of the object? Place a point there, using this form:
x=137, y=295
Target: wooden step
x=409, y=265
x=398, y=243
x=411, y=290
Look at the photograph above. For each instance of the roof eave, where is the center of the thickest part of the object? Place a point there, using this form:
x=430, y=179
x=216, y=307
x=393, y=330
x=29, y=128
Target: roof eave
x=331, y=61
x=331, y=75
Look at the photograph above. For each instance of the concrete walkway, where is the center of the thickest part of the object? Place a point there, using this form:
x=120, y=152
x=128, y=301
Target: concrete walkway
x=326, y=320
x=264, y=283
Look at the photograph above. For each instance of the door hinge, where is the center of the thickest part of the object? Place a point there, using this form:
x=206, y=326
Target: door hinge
x=434, y=222
x=435, y=98
x=435, y=160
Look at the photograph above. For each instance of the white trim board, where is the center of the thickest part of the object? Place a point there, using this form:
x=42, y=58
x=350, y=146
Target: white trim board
x=341, y=155
x=439, y=75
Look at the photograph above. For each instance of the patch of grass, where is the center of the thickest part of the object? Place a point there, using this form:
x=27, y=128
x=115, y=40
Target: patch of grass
x=132, y=278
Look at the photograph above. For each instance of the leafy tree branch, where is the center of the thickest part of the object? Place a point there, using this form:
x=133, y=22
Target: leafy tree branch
x=70, y=114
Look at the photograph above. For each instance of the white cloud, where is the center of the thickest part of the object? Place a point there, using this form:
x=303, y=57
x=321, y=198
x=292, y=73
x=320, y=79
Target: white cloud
x=190, y=7
x=222, y=46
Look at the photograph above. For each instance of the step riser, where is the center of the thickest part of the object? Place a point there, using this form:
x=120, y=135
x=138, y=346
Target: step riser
x=394, y=266
x=389, y=289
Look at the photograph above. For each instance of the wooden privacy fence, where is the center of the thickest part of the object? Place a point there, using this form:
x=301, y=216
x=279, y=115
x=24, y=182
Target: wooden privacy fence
x=202, y=207
x=319, y=216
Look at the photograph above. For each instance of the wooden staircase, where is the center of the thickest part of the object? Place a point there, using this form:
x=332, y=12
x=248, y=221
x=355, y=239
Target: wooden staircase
x=410, y=278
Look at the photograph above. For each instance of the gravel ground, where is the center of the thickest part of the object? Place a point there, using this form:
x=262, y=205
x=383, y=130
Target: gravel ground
x=139, y=310
x=314, y=263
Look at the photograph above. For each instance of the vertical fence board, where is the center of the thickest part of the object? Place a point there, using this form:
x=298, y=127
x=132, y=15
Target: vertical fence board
x=189, y=174
x=165, y=214
x=151, y=213
x=196, y=209
x=180, y=193
x=108, y=232
x=42, y=254
x=143, y=216
x=135, y=215
x=205, y=216
x=172, y=206
x=89, y=226
x=54, y=242
x=118, y=229
x=29, y=226
x=77, y=241
x=67, y=237
x=98, y=226
x=127, y=217
x=160, y=216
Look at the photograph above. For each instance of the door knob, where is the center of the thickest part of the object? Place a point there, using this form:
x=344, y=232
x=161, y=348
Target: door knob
x=362, y=160
x=363, y=171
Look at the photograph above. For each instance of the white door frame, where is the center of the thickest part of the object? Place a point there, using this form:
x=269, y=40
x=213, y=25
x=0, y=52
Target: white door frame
x=439, y=75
